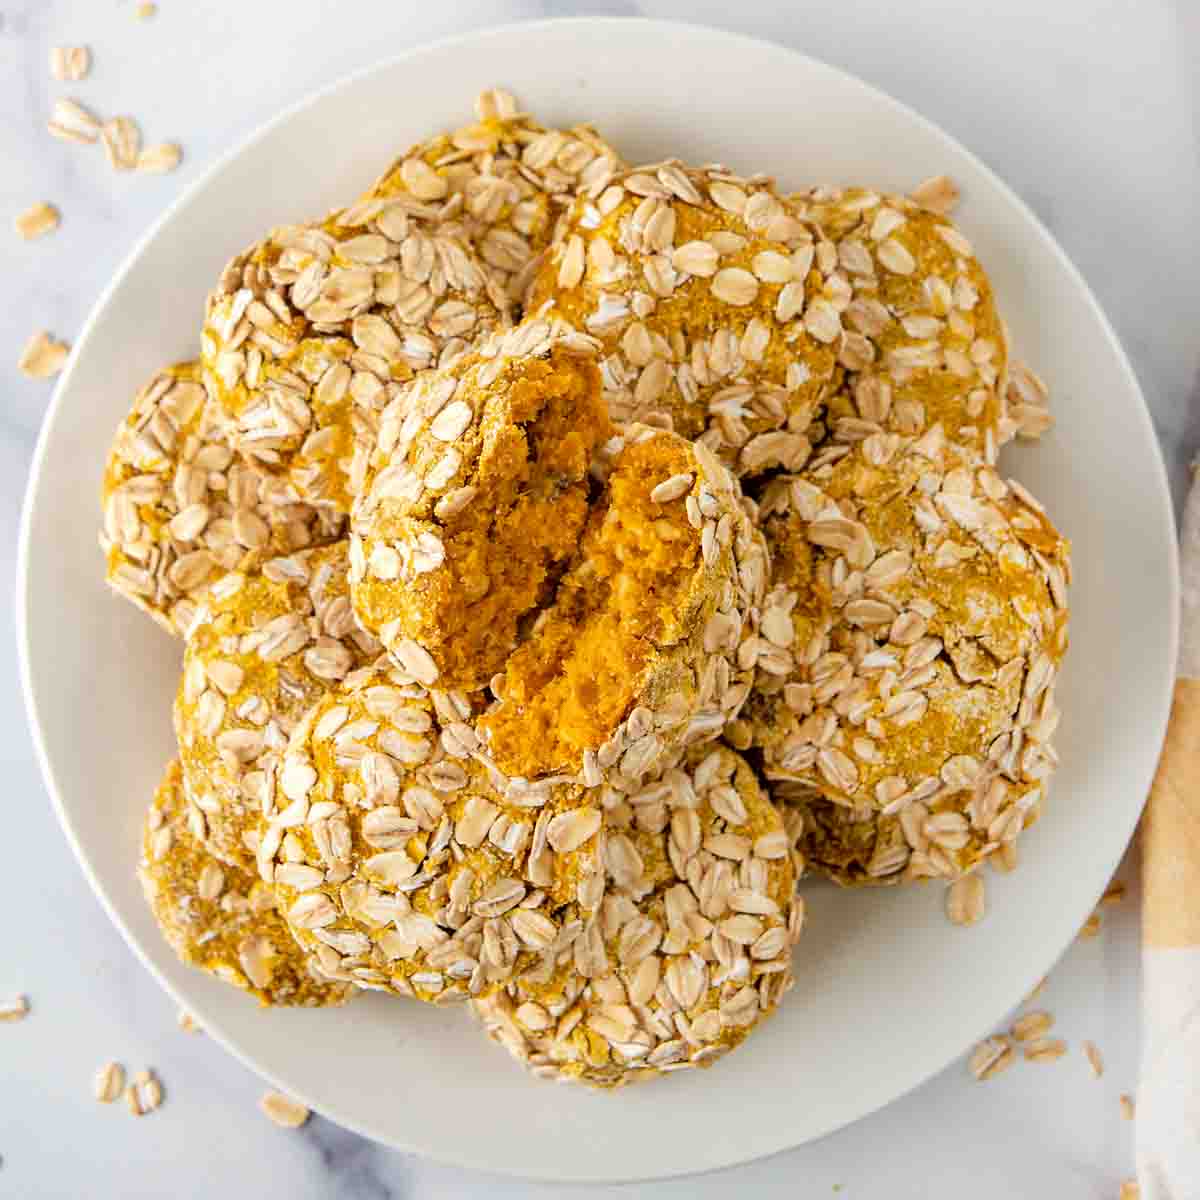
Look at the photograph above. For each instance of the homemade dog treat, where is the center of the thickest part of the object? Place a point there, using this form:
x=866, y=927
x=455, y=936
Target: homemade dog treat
x=689, y=950
x=477, y=496
x=311, y=330
x=716, y=316
x=264, y=647
x=922, y=343
x=917, y=618
x=506, y=179
x=180, y=509
x=217, y=917
x=399, y=865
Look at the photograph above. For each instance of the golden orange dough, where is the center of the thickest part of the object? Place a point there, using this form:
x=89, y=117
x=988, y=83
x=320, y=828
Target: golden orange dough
x=923, y=344
x=715, y=314
x=217, y=917
x=399, y=862
x=477, y=497
x=264, y=647
x=646, y=644
x=180, y=509
x=690, y=949
x=917, y=618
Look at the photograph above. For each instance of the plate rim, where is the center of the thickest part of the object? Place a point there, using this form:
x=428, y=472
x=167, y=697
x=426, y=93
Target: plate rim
x=55, y=412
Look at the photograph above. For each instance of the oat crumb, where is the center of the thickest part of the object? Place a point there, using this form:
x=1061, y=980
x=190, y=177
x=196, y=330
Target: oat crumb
x=283, y=1110
x=109, y=1082
x=69, y=64
x=144, y=1093
x=42, y=356
x=36, y=221
x=16, y=1009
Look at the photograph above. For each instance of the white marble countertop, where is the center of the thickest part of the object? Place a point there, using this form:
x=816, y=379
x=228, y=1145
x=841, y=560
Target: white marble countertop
x=1088, y=108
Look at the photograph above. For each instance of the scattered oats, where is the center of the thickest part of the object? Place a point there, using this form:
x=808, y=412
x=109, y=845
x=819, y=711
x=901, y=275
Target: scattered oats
x=1032, y=1025
x=109, y=1082
x=966, y=900
x=1128, y=1110
x=1095, y=1061
x=70, y=63
x=1045, y=1050
x=16, y=1009
x=188, y=1023
x=73, y=123
x=122, y=142
x=990, y=1057
x=283, y=1110
x=1114, y=893
x=42, y=356
x=1091, y=927
x=158, y=160
x=144, y=1093
x=939, y=193
x=1130, y=1190
x=37, y=220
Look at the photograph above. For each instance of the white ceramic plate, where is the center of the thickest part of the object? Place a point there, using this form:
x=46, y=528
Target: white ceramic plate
x=887, y=992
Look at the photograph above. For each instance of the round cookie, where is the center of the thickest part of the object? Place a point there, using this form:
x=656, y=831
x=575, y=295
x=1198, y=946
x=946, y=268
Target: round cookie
x=922, y=342
x=311, y=330
x=506, y=180
x=649, y=640
x=477, y=495
x=690, y=949
x=716, y=317
x=181, y=509
x=264, y=647
x=915, y=625
x=399, y=863
x=218, y=918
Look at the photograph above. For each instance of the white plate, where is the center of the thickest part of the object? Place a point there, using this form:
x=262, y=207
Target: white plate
x=887, y=992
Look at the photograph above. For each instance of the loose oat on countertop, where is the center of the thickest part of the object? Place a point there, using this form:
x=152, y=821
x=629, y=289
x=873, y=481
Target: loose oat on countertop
x=70, y=63
x=144, y=1093
x=109, y=1082
x=1045, y=1050
x=42, y=357
x=992, y=1056
x=160, y=159
x=16, y=1009
x=73, y=123
x=36, y=221
x=1032, y=1025
x=283, y=1110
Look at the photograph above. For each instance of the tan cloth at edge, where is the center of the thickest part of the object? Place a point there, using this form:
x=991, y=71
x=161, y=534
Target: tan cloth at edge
x=1171, y=830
